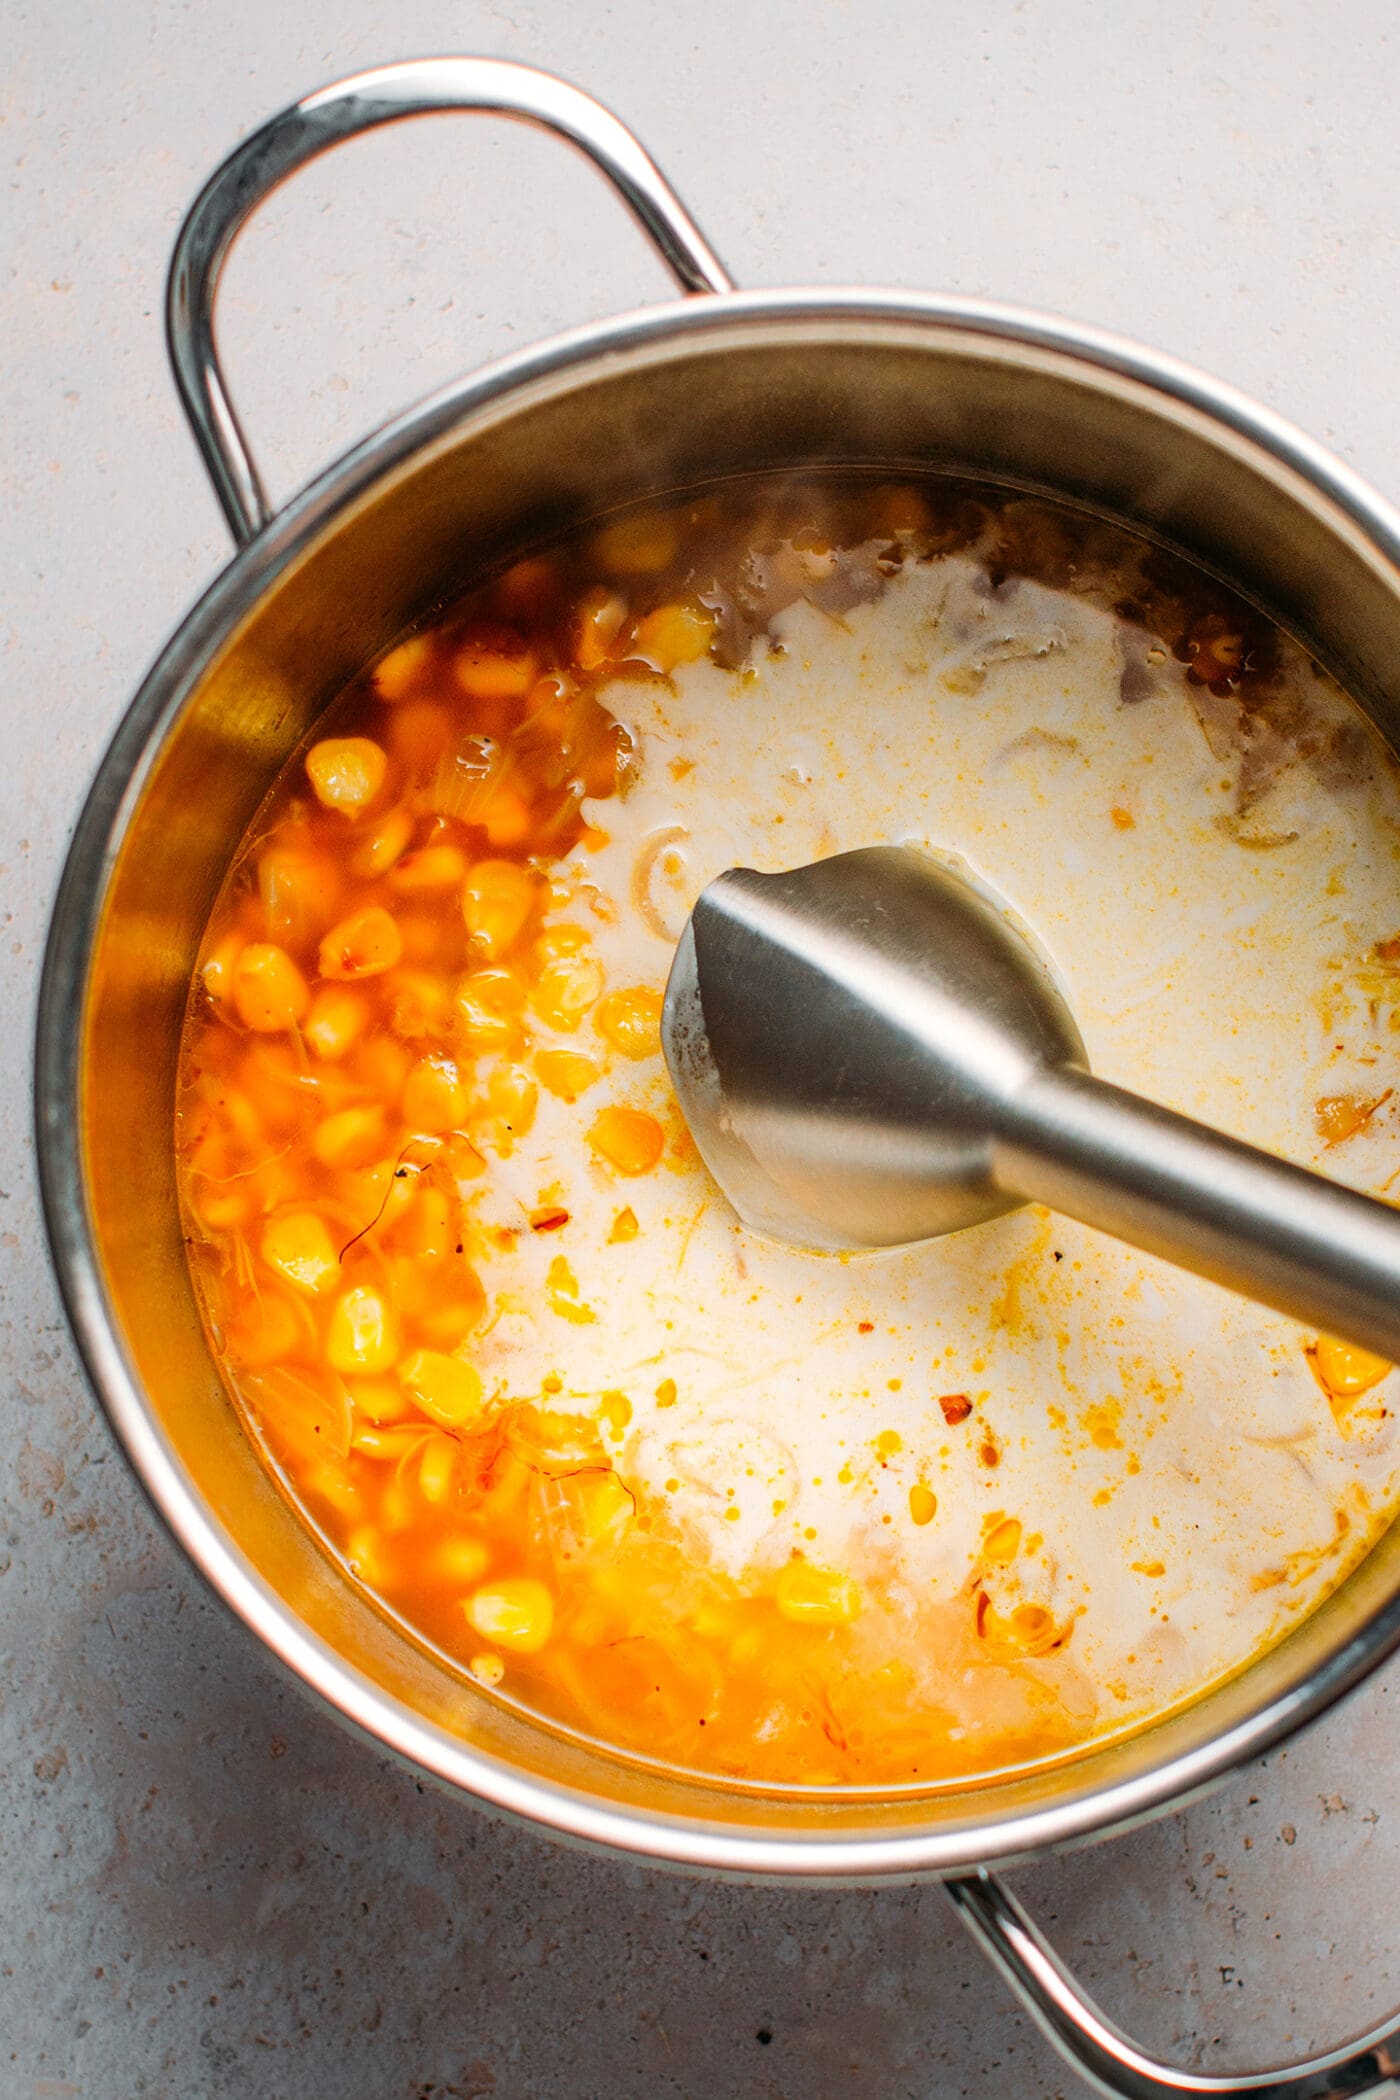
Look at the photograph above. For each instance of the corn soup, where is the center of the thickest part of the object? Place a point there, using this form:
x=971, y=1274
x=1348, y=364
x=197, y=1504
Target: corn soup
x=905, y=1519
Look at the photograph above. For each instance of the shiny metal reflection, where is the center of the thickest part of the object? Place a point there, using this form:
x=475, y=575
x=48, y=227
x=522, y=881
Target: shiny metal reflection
x=869, y=1053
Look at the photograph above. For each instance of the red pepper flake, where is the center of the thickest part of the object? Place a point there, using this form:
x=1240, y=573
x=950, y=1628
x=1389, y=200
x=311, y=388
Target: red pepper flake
x=865, y=1327
x=956, y=1408
x=548, y=1218
x=989, y=1451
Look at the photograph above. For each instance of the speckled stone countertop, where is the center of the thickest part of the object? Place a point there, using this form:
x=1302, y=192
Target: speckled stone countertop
x=207, y=1892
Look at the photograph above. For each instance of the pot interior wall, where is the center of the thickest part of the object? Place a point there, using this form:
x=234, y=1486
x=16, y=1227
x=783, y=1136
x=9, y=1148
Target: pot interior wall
x=460, y=488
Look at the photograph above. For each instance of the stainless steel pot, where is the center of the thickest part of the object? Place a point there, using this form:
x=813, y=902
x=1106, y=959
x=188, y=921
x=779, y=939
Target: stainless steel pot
x=666, y=398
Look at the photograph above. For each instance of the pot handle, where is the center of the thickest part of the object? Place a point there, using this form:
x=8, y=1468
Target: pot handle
x=1113, y=2064
x=286, y=142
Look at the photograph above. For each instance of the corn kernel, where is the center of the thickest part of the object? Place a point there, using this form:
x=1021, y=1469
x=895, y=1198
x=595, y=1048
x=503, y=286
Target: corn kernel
x=217, y=966
x=402, y=668
x=496, y=663
x=512, y=1095
x=360, y=1335
x=431, y=1228
x=606, y=1507
x=437, y=1468
x=387, y=1446
x=567, y=1073
x=487, y=1669
x=674, y=634
x=419, y=1003
x=300, y=1248
x=349, y=1138
x=566, y=989
x=380, y=1401
x=1003, y=1541
x=561, y=1294
x=382, y=844
x=266, y=1330
x=625, y=1228
x=444, y=1386
x=464, y=1559
x=269, y=990
x=361, y=946
x=1346, y=1370
x=631, y=1021
x=434, y=1098
x=335, y=1021
x=597, y=623
x=628, y=1139
x=517, y=1613
x=506, y=815
x=490, y=1003
x=639, y=545
x=815, y=1596
x=299, y=890
x=497, y=900
x=923, y=1503
x=346, y=773
x=430, y=868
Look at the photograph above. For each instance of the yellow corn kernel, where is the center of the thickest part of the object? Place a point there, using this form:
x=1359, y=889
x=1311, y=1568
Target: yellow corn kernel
x=605, y=1506
x=490, y=1003
x=487, y=1669
x=365, y=1556
x=567, y=1073
x=463, y=1559
x=434, y=1098
x=507, y=816
x=517, y=1613
x=815, y=1596
x=346, y=773
x=497, y=899
x=360, y=1335
x=566, y=988
x=299, y=890
x=437, y=1468
x=401, y=669
x=300, y=1249
x=361, y=946
x=349, y=1138
x=625, y=1228
x=561, y=1294
x=380, y=1401
x=448, y=1321
x=512, y=1095
x=217, y=967
x=419, y=1003
x=335, y=1021
x=220, y=1210
x=1003, y=1541
x=1346, y=1370
x=444, y=1386
x=597, y=623
x=923, y=1503
x=266, y=1330
x=431, y=868
x=628, y=1139
x=631, y=1021
x=431, y=1229
x=269, y=990
x=496, y=663
x=386, y=1446
x=637, y=546
x=381, y=846
x=674, y=634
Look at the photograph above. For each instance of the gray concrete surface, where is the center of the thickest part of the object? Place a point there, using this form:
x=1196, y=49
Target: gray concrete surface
x=205, y=1890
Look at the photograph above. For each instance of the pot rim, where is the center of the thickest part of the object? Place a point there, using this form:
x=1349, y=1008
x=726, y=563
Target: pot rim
x=1182, y=394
